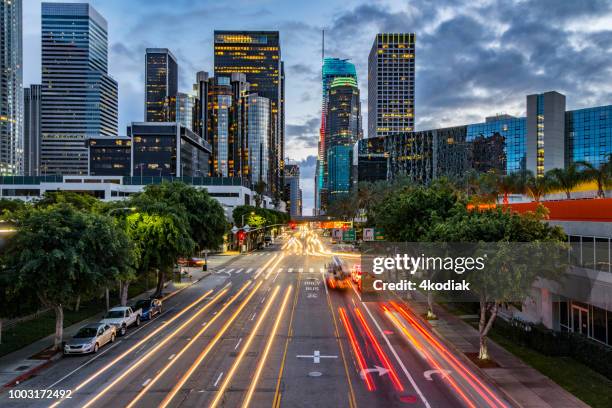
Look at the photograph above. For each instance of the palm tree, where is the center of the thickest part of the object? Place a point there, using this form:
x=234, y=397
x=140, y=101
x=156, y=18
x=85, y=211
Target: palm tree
x=365, y=196
x=507, y=184
x=537, y=187
x=601, y=174
x=260, y=189
x=566, y=179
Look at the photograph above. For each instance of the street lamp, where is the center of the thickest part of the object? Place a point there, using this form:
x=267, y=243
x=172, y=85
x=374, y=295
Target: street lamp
x=252, y=213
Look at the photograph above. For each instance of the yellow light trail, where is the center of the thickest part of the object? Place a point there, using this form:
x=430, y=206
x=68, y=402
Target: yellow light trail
x=153, y=350
x=205, y=352
x=262, y=361
x=140, y=343
x=272, y=268
x=186, y=347
x=245, y=348
x=261, y=269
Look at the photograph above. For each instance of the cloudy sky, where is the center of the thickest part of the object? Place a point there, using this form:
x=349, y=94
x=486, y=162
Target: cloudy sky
x=473, y=58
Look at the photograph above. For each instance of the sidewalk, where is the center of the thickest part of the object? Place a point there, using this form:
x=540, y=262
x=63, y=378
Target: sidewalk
x=21, y=364
x=522, y=384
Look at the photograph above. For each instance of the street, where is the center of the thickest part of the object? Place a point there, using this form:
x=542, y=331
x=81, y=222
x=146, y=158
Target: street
x=265, y=330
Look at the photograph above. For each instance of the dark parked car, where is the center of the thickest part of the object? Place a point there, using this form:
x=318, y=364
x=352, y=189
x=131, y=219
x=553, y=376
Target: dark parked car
x=150, y=307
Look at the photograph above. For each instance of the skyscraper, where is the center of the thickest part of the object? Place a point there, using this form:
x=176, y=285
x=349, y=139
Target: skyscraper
x=258, y=108
x=31, y=130
x=161, y=85
x=391, y=84
x=11, y=88
x=187, y=107
x=79, y=99
x=293, y=192
x=343, y=130
x=257, y=54
x=332, y=68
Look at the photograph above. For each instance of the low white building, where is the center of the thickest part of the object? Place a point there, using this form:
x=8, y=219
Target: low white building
x=230, y=192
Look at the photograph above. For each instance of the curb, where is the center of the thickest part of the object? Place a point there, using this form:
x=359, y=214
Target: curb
x=460, y=354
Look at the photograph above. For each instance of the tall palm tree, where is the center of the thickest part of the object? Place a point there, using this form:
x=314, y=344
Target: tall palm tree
x=260, y=189
x=566, y=179
x=537, y=187
x=508, y=184
x=601, y=174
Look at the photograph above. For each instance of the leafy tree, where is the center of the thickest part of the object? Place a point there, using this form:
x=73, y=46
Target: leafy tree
x=566, y=179
x=601, y=174
x=204, y=214
x=343, y=207
x=8, y=206
x=512, y=270
x=160, y=236
x=79, y=201
x=537, y=187
x=57, y=254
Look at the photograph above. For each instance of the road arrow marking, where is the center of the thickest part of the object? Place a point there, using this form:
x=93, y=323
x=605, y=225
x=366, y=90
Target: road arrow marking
x=443, y=373
x=316, y=356
x=380, y=370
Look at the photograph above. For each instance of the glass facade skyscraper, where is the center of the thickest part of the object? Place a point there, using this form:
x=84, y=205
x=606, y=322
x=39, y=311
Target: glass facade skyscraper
x=391, y=70
x=79, y=99
x=186, y=110
x=257, y=54
x=332, y=68
x=343, y=130
x=258, y=108
x=589, y=134
x=161, y=85
x=31, y=130
x=11, y=88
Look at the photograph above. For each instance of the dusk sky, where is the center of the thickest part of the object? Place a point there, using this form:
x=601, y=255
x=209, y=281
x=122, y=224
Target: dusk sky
x=473, y=59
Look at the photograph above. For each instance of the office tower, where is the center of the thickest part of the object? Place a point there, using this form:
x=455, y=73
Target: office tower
x=110, y=156
x=258, y=114
x=161, y=85
x=220, y=112
x=167, y=149
x=545, y=126
x=343, y=130
x=187, y=108
x=391, y=84
x=293, y=193
x=332, y=68
x=200, y=88
x=79, y=99
x=257, y=54
x=11, y=88
x=31, y=130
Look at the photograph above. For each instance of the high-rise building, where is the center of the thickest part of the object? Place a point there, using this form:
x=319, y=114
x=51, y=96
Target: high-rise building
x=343, y=130
x=200, y=88
x=110, y=156
x=391, y=84
x=31, y=130
x=161, y=85
x=293, y=192
x=257, y=54
x=11, y=88
x=187, y=108
x=545, y=125
x=258, y=114
x=79, y=99
x=332, y=68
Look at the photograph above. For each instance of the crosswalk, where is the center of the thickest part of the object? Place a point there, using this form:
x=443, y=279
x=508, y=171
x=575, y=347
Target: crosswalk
x=247, y=271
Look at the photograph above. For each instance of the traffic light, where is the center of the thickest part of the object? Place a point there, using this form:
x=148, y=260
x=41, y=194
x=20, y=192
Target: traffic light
x=241, y=235
x=292, y=224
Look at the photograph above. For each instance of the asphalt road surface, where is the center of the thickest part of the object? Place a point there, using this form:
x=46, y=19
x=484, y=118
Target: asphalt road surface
x=265, y=330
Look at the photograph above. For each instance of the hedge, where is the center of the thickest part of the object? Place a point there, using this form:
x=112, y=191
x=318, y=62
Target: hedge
x=558, y=344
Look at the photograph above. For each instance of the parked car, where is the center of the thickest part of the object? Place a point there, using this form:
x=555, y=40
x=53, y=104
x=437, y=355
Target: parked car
x=150, y=307
x=122, y=318
x=193, y=262
x=90, y=338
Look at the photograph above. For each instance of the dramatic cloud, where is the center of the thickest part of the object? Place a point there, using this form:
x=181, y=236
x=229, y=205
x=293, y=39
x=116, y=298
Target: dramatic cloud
x=473, y=58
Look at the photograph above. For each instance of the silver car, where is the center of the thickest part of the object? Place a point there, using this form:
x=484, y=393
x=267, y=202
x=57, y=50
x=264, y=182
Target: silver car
x=90, y=338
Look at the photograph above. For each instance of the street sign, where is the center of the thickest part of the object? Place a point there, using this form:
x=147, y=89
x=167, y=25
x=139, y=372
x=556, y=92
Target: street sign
x=368, y=234
x=337, y=234
x=246, y=228
x=234, y=229
x=379, y=234
x=348, y=235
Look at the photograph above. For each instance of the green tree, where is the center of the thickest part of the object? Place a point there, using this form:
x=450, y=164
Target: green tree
x=8, y=206
x=57, y=254
x=260, y=189
x=511, y=272
x=343, y=207
x=566, y=179
x=601, y=174
x=79, y=201
x=537, y=186
x=160, y=236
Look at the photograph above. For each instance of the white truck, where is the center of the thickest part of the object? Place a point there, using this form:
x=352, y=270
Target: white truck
x=122, y=318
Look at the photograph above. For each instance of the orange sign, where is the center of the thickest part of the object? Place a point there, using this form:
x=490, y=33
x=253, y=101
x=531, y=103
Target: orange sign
x=336, y=224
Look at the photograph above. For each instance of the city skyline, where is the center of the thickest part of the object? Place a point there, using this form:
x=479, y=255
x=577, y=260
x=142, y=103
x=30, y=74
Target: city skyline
x=476, y=55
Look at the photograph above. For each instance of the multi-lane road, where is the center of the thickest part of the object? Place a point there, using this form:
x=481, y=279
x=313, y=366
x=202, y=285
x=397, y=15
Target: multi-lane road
x=264, y=330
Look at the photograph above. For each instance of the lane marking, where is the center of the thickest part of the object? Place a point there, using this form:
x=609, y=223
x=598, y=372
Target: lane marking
x=397, y=358
x=238, y=344
x=252, y=317
x=144, y=384
x=239, y=270
x=290, y=270
x=169, y=358
x=218, y=379
x=311, y=270
x=249, y=270
x=300, y=270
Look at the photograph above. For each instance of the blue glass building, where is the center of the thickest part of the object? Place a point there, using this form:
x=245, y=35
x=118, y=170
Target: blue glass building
x=589, y=134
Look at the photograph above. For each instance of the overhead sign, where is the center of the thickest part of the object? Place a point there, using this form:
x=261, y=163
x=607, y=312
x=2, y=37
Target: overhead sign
x=368, y=234
x=234, y=229
x=336, y=224
x=348, y=235
x=246, y=228
x=379, y=234
x=337, y=234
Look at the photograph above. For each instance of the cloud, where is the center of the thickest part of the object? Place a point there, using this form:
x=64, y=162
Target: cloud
x=306, y=133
